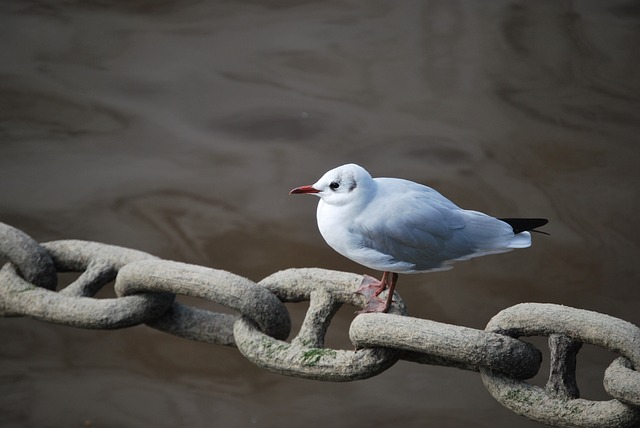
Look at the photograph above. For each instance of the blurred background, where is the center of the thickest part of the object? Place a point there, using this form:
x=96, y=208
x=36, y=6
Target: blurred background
x=177, y=127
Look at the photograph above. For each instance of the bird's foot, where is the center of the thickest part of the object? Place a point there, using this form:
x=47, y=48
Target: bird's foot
x=371, y=288
x=374, y=304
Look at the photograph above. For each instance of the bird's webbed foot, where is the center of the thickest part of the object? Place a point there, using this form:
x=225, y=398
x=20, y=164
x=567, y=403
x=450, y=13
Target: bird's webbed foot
x=371, y=288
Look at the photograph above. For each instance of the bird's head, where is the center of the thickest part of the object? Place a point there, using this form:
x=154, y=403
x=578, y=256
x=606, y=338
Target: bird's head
x=342, y=185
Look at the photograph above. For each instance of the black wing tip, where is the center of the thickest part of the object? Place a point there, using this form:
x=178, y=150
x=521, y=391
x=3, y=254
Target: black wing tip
x=526, y=224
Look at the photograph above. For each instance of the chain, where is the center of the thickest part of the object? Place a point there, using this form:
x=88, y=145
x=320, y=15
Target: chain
x=146, y=288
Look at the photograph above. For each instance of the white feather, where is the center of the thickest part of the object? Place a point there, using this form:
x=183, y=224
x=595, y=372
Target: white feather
x=396, y=225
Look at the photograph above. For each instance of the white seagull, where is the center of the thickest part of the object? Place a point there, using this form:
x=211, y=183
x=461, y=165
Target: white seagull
x=398, y=226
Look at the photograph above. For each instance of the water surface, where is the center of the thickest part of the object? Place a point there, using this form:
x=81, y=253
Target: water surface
x=178, y=128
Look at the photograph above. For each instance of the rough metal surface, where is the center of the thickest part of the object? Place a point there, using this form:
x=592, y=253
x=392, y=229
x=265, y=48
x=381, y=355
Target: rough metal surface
x=31, y=260
x=562, y=374
x=555, y=405
x=100, y=263
x=232, y=291
x=447, y=343
x=146, y=288
x=623, y=382
x=306, y=356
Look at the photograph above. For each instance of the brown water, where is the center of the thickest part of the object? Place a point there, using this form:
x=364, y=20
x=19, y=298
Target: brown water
x=178, y=127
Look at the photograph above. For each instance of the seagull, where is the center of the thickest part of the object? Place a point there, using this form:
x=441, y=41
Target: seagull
x=399, y=226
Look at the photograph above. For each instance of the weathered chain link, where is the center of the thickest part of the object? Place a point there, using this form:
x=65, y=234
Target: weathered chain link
x=30, y=259
x=306, y=355
x=431, y=342
x=74, y=305
x=147, y=286
x=558, y=404
x=233, y=291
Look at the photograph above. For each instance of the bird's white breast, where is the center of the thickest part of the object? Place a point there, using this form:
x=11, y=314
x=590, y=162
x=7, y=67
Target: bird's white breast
x=334, y=227
x=337, y=227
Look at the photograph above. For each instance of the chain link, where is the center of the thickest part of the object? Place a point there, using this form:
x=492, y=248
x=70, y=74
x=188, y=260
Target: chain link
x=233, y=291
x=30, y=259
x=430, y=342
x=558, y=403
x=306, y=355
x=146, y=288
x=75, y=306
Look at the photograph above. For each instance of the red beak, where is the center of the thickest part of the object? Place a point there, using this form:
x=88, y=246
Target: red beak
x=304, y=189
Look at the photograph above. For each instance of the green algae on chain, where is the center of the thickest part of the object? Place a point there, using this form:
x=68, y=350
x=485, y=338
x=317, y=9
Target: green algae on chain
x=313, y=356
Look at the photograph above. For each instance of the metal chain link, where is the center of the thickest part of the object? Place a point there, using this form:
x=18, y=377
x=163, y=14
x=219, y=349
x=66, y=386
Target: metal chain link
x=306, y=355
x=74, y=305
x=566, y=327
x=233, y=291
x=146, y=288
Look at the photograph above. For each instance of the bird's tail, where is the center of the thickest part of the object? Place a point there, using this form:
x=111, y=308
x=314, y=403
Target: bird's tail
x=526, y=224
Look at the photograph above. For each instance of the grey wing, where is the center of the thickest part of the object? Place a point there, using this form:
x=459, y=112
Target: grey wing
x=421, y=230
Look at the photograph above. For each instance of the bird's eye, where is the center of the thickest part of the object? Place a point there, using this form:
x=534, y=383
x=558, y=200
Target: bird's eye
x=334, y=185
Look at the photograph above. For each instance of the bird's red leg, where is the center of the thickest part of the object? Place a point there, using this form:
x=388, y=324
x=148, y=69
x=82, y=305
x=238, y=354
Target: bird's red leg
x=392, y=286
x=384, y=283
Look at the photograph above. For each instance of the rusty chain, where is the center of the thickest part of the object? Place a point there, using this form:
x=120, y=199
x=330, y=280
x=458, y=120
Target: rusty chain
x=146, y=288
